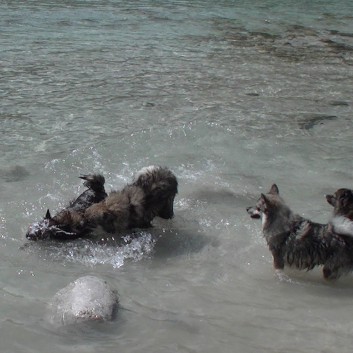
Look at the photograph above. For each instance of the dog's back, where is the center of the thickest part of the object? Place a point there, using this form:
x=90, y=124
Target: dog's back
x=115, y=213
x=135, y=206
x=308, y=244
x=151, y=194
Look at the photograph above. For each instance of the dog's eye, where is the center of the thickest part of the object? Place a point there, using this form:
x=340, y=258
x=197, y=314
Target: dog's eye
x=345, y=196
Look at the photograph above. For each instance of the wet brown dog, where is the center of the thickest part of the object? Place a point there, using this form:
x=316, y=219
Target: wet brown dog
x=58, y=227
x=135, y=206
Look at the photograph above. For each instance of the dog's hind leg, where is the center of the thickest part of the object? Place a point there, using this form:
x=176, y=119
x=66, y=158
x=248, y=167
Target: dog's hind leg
x=282, y=276
x=332, y=272
x=338, y=264
x=327, y=272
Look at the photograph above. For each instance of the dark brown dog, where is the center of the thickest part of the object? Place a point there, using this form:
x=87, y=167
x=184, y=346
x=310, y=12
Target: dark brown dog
x=150, y=195
x=57, y=226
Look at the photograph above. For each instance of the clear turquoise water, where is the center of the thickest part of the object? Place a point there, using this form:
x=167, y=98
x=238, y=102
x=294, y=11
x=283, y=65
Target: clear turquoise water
x=232, y=96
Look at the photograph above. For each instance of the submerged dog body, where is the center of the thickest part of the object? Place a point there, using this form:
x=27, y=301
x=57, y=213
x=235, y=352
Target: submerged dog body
x=298, y=242
x=151, y=194
x=57, y=226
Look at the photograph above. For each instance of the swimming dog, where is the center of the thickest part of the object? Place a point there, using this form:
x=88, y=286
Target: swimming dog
x=150, y=195
x=298, y=242
x=57, y=226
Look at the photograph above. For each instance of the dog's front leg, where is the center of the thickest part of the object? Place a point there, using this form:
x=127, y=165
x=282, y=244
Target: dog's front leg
x=278, y=262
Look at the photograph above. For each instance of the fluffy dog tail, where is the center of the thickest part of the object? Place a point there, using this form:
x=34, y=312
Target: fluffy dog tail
x=94, y=182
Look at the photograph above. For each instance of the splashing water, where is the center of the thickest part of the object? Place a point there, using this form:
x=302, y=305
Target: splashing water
x=110, y=251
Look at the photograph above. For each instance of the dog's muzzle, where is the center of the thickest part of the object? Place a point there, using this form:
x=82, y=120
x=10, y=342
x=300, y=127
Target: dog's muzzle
x=37, y=230
x=253, y=212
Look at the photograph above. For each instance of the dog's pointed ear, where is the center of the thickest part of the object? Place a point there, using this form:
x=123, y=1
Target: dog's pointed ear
x=346, y=198
x=47, y=215
x=274, y=190
x=264, y=198
x=331, y=200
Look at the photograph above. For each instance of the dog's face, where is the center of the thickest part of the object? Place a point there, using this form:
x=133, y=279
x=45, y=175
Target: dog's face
x=42, y=229
x=342, y=202
x=47, y=228
x=265, y=204
x=166, y=209
x=160, y=186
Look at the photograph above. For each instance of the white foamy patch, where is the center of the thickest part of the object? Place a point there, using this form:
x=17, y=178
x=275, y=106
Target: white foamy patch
x=2, y=225
x=135, y=249
x=108, y=252
x=342, y=225
x=198, y=170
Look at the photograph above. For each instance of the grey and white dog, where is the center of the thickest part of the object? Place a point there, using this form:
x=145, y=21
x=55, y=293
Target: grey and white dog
x=298, y=242
x=342, y=219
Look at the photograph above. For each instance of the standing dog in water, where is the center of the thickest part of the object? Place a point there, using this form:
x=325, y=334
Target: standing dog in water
x=298, y=242
x=342, y=220
x=135, y=206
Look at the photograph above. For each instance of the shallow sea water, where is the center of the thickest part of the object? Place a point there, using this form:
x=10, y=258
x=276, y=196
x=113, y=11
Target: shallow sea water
x=232, y=96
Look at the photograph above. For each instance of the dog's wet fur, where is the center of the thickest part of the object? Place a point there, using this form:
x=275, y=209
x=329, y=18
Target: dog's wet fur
x=150, y=195
x=58, y=227
x=342, y=220
x=298, y=242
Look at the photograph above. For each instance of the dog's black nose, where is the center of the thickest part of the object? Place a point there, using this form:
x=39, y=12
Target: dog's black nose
x=253, y=212
x=31, y=236
x=330, y=199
